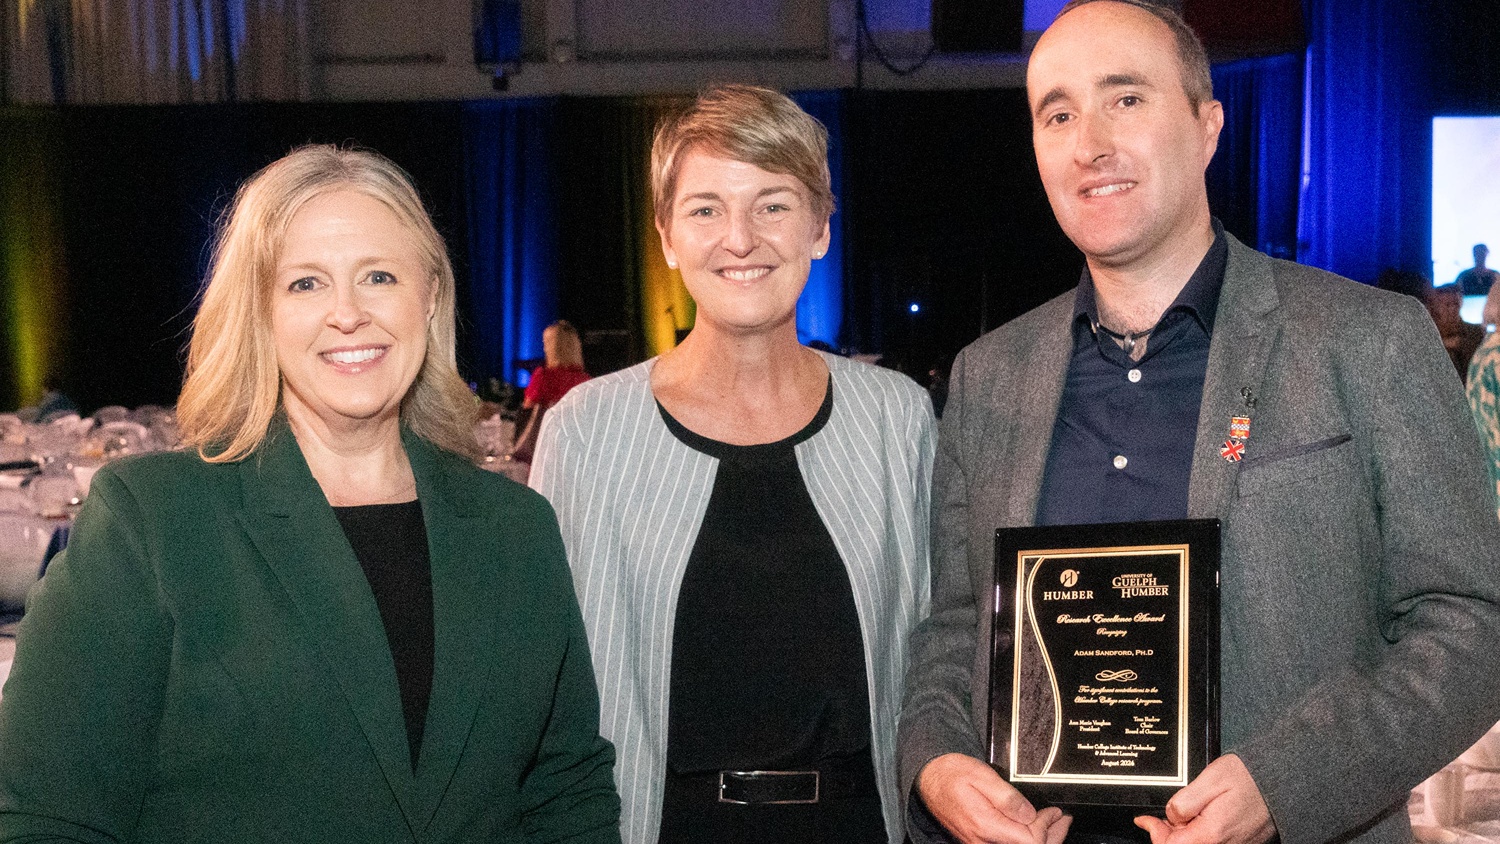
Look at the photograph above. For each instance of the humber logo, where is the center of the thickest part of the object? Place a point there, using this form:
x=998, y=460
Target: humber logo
x=1069, y=579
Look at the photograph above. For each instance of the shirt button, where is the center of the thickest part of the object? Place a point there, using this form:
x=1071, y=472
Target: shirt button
x=1134, y=375
x=1120, y=461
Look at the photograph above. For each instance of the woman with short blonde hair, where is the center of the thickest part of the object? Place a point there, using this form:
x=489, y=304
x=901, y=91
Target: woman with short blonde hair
x=746, y=517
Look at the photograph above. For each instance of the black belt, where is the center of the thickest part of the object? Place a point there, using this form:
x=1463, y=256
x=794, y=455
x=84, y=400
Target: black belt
x=832, y=779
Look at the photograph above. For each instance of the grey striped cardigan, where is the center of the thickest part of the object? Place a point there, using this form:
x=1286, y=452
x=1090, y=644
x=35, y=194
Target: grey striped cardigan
x=630, y=497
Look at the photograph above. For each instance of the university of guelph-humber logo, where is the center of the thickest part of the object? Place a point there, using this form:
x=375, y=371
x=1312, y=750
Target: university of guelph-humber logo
x=1139, y=586
x=1069, y=578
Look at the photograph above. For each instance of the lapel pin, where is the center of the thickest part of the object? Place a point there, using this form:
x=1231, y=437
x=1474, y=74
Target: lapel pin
x=1233, y=448
x=1239, y=428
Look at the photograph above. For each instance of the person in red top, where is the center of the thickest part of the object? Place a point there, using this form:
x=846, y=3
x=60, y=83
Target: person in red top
x=563, y=370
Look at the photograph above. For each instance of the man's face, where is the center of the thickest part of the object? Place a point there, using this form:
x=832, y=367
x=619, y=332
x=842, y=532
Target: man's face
x=1120, y=151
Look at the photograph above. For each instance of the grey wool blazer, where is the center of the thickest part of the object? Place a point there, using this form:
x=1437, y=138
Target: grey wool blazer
x=630, y=497
x=1360, y=620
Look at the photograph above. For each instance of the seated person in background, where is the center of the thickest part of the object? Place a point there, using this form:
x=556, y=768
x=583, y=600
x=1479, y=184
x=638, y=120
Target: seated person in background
x=746, y=517
x=320, y=622
x=562, y=371
x=1460, y=338
x=1478, y=279
x=1404, y=282
x=1484, y=388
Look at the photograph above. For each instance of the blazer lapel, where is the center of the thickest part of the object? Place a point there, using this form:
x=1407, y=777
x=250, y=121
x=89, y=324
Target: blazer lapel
x=461, y=549
x=1045, y=372
x=291, y=524
x=1244, y=333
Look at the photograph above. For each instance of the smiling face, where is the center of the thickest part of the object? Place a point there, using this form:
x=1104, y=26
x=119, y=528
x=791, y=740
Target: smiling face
x=745, y=239
x=1120, y=151
x=350, y=302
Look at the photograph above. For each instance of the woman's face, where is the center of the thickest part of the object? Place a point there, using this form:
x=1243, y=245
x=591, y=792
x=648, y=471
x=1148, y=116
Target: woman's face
x=349, y=309
x=744, y=240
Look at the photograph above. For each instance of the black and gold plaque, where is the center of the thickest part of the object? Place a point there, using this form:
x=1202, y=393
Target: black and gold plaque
x=1105, y=662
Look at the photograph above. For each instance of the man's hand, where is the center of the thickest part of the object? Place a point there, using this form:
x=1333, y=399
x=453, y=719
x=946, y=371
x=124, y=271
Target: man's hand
x=1222, y=805
x=976, y=806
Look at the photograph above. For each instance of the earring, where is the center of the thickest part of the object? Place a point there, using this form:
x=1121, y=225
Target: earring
x=671, y=265
x=818, y=254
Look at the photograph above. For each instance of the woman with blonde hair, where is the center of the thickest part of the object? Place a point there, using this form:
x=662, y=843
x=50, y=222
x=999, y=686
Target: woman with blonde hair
x=562, y=370
x=320, y=622
x=746, y=517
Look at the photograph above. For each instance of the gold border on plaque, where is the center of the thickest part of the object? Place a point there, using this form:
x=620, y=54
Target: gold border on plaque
x=1025, y=611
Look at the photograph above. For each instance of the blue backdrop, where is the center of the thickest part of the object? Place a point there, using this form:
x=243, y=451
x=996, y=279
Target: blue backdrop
x=1366, y=159
x=512, y=232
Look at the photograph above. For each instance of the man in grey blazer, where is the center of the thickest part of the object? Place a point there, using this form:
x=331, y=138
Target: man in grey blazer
x=1190, y=376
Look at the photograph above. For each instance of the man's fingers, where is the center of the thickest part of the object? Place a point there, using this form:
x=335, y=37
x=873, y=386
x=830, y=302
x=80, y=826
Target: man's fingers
x=1003, y=796
x=1155, y=827
x=974, y=803
x=1059, y=829
x=1042, y=827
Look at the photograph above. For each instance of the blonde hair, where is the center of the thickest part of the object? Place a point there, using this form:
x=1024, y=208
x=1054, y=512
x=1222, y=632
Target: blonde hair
x=742, y=123
x=232, y=389
x=561, y=345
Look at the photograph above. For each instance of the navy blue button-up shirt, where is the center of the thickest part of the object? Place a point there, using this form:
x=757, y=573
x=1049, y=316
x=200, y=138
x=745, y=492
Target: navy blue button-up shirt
x=1122, y=445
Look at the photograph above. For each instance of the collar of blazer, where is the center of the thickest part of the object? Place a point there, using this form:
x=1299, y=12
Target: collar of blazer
x=293, y=527
x=1246, y=326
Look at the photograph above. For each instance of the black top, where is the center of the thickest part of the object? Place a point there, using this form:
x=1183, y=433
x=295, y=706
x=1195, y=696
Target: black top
x=768, y=662
x=1122, y=444
x=390, y=542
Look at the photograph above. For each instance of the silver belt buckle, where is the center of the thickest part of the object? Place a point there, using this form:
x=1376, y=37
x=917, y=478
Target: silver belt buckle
x=761, y=775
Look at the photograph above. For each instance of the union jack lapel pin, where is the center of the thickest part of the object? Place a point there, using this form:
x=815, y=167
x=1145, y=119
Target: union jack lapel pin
x=1232, y=450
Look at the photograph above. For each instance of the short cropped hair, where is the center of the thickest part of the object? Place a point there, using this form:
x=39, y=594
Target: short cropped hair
x=1197, y=81
x=742, y=123
x=232, y=388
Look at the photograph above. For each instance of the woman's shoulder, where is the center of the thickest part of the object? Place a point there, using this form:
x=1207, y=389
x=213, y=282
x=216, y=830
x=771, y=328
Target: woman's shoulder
x=163, y=470
x=871, y=382
x=602, y=396
x=165, y=484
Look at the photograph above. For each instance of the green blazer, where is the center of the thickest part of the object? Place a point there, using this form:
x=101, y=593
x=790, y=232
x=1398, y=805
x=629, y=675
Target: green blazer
x=206, y=663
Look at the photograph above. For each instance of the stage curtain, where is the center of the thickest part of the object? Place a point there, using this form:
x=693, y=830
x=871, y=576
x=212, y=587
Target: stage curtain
x=1367, y=144
x=33, y=281
x=1254, y=177
x=820, y=310
x=155, y=51
x=512, y=232
x=666, y=310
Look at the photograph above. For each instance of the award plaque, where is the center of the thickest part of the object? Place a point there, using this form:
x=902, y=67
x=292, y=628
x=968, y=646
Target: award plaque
x=1105, y=663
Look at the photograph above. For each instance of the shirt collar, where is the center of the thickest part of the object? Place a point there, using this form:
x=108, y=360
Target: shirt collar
x=1198, y=298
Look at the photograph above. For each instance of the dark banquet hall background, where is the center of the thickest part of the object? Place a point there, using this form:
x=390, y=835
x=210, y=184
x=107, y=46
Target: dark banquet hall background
x=125, y=126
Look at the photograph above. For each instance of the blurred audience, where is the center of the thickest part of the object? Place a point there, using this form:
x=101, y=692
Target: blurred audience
x=1484, y=388
x=1460, y=338
x=1478, y=279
